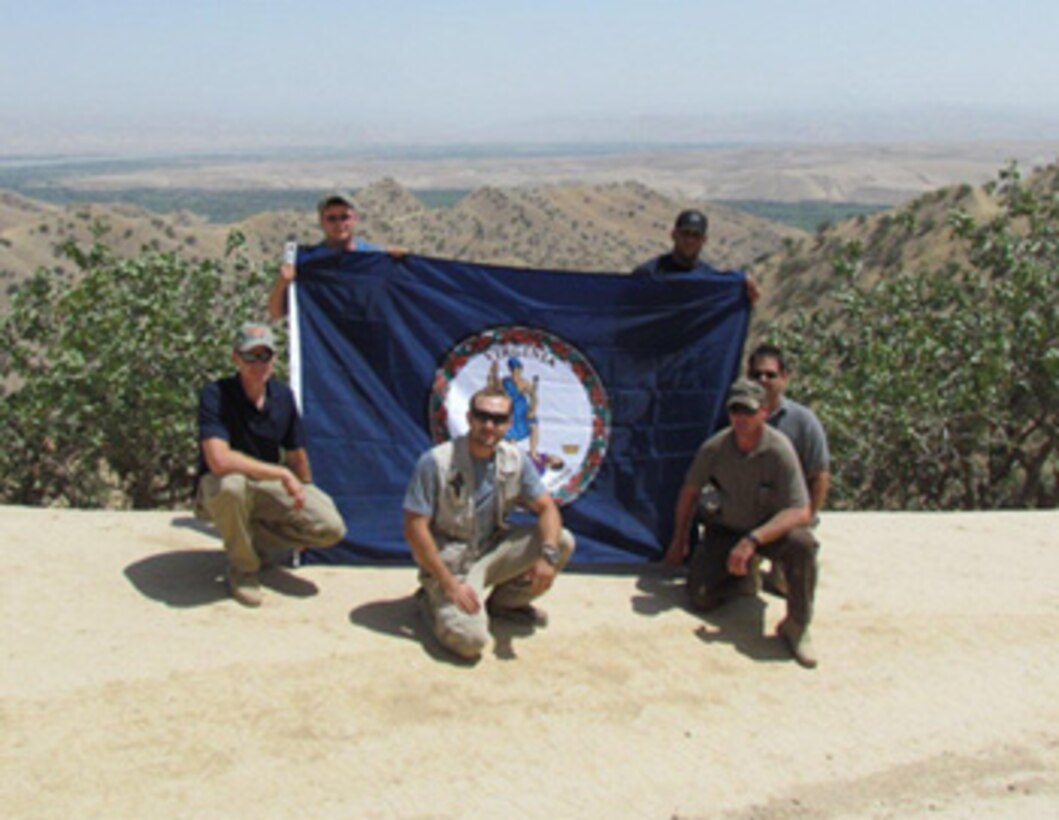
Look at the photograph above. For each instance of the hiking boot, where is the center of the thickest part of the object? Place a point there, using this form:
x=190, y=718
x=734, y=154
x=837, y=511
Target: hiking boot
x=775, y=581
x=527, y=615
x=798, y=642
x=244, y=587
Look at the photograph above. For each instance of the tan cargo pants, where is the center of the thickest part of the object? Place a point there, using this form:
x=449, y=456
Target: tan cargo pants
x=256, y=518
x=499, y=574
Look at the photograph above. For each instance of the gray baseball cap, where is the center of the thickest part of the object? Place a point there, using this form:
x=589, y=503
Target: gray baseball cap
x=336, y=198
x=746, y=393
x=254, y=334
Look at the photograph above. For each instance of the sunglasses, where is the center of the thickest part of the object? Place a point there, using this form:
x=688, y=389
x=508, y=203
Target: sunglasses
x=484, y=416
x=338, y=218
x=764, y=374
x=252, y=358
x=741, y=410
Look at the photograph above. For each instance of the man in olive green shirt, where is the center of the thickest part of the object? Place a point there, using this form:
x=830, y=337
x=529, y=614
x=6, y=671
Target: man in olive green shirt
x=761, y=507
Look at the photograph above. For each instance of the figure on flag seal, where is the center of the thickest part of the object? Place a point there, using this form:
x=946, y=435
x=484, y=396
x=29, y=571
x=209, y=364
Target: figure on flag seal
x=560, y=409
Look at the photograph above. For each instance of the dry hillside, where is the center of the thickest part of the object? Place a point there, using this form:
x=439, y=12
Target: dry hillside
x=607, y=227
x=913, y=237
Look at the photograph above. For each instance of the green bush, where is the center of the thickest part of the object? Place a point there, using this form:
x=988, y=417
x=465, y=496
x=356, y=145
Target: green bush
x=940, y=389
x=102, y=375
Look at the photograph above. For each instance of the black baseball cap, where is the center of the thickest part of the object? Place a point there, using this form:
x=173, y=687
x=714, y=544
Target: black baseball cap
x=691, y=220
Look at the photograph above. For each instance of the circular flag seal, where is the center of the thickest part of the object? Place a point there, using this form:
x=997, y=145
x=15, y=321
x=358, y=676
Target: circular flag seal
x=560, y=412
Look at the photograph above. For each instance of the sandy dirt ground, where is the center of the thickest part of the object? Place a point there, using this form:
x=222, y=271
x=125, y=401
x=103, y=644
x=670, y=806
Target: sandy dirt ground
x=131, y=686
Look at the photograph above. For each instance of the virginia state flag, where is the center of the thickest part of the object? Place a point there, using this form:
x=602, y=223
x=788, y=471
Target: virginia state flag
x=615, y=382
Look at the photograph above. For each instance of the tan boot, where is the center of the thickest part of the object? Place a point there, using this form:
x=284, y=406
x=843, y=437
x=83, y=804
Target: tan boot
x=244, y=587
x=798, y=641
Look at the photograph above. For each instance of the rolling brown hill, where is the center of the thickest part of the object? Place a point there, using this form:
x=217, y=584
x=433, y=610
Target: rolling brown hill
x=609, y=227
x=913, y=237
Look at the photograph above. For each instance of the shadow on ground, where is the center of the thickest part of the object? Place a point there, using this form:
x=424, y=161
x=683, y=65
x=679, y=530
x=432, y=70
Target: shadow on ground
x=184, y=578
x=191, y=578
x=739, y=622
x=190, y=522
x=401, y=618
x=661, y=589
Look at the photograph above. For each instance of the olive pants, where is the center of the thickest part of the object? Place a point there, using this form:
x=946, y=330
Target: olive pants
x=710, y=582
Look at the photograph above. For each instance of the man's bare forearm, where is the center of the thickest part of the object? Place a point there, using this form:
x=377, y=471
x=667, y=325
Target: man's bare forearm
x=819, y=485
x=425, y=549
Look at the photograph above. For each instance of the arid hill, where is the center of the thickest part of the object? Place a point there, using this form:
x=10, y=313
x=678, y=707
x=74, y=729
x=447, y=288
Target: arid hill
x=609, y=227
x=916, y=236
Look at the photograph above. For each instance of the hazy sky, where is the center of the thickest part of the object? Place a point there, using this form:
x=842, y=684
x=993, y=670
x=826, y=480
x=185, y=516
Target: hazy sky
x=128, y=73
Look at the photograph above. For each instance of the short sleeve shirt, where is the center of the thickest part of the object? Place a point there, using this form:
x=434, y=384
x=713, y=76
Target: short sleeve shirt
x=806, y=433
x=308, y=253
x=422, y=493
x=226, y=413
x=666, y=267
x=752, y=486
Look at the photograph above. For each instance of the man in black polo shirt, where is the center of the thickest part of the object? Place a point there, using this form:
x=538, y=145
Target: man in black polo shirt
x=255, y=484
x=689, y=238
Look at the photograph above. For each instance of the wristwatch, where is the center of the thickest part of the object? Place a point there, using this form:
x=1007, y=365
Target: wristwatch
x=551, y=554
x=753, y=539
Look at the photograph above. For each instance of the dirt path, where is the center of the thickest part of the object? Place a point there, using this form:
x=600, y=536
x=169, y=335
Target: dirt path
x=132, y=687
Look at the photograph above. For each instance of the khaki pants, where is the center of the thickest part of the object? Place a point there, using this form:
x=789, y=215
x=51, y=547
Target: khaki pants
x=502, y=569
x=258, y=517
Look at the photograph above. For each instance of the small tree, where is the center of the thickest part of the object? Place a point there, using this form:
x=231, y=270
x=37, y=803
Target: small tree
x=102, y=375
x=940, y=389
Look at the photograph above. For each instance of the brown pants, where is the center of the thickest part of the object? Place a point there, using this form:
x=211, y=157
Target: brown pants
x=258, y=517
x=710, y=582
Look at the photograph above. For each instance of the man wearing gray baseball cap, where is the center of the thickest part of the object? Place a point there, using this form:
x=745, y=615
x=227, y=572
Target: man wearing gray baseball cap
x=338, y=217
x=254, y=481
x=759, y=506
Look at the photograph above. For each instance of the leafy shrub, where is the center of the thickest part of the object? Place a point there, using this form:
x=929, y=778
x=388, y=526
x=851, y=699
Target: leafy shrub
x=103, y=374
x=940, y=389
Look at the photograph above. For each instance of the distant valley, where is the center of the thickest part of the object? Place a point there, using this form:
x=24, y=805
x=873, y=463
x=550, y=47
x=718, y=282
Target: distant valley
x=569, y=224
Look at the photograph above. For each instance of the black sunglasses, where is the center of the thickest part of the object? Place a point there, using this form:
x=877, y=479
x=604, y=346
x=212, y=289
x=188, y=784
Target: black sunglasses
x=741, y=410
x=252, y=358
x=337, y=218
x=484, y=415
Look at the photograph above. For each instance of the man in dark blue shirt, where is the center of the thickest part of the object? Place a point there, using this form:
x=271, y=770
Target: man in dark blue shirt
x=254, y=481
x=689, y=238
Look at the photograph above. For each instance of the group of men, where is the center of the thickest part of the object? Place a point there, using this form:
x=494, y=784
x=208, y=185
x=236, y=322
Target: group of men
x=753, y=489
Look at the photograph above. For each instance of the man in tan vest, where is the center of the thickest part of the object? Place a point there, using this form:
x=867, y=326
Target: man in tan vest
x=473, y=564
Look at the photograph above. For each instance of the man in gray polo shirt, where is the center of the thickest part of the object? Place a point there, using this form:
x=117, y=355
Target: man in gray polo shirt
x=762, y=509
x=768, y=368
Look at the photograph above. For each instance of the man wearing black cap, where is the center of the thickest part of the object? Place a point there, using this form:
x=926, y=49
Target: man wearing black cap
x=758, y=504
x=689, y=238
x=338, y=219
x=254, y=481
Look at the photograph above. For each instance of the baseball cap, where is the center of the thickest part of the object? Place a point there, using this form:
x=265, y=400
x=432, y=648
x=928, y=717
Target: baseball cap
x=335, y=199
x=745, y=393
x=691, y=220
x=254, y=334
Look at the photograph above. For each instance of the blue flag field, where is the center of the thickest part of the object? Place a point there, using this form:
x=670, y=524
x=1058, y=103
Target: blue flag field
x=615, y=380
